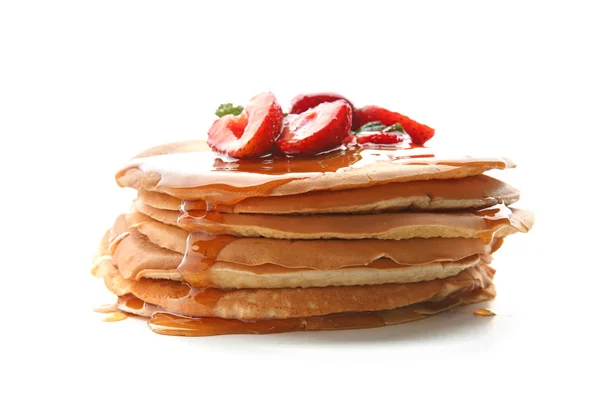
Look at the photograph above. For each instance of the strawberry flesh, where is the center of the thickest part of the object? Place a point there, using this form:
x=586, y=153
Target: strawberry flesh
x=419, y=133
x=250, y=134
x=303, y=102
x=379, y=138
x=316, y=130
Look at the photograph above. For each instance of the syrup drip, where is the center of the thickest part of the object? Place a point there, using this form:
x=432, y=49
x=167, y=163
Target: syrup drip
x=112, y=312
x=202, y=250
x=189, y=217
x=484, y=312
x=494, y=217
x=133, y=303
x=205, y=296
x=114, y=316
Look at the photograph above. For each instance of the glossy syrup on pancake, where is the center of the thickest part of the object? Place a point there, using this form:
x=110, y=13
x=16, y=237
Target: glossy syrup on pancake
x=134, y=303
x=201, y=251
x=496, y=216
x=476, y=191
x=225, y=180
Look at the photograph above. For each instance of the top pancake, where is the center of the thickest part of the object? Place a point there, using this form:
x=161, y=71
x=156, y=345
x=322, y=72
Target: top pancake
x=439, y=194
x=189, y=170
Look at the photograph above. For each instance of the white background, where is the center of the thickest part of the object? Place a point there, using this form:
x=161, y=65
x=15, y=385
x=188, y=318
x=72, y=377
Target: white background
x=85, y=85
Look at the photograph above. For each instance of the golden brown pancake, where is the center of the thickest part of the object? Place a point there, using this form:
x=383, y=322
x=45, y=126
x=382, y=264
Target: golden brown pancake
x=439, y=194
x=393, y=226
x=189, y=170
x=136, y=252
x=234, y=276
x=138, y=258
x=170, y=324
x=255, y=304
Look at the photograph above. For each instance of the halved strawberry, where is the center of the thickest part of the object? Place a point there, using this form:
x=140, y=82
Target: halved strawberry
x=318, y=129
x=419, y=133
x=303, y=102
x=379, y=138
x=250, y=134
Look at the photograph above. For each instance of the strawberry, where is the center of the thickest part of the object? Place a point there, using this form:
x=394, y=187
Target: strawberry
x=377, y=133
x=419, y=133
x=379, y=138
x=318, y=129
x=303, y=102
x=252, y=132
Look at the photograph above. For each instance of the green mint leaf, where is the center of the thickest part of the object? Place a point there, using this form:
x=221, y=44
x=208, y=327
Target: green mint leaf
x=228, y=108
x=374, y=126
x=394, y=128
x=377, y=126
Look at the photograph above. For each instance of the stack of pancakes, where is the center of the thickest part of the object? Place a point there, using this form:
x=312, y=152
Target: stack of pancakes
x=348, y=239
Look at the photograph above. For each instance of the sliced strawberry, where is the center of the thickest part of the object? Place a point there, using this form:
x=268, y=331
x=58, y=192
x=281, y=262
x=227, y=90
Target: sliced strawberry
x=318, y=129
x=303, y=102
x=250, y=134
x=379, y=138
x=419, y=133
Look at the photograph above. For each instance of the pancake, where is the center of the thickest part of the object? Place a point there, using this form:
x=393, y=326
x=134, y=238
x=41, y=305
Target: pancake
x=236, y=276
x=393, y=226
x=136, y=252
x=137, y=257
x=256, y=304
x=171, y=324
x=440, y=194
x=189, y=170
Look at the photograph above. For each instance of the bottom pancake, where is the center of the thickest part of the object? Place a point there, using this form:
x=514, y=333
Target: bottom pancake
x=177, y=325
x=258, y=304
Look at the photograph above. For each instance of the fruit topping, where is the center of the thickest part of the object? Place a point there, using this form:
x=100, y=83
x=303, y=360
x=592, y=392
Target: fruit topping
x=377, y=133
x=228, y=108
x=380, y=138
x=247, y=132
x=303, y=102
x=317, y=129
x=419, y=133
